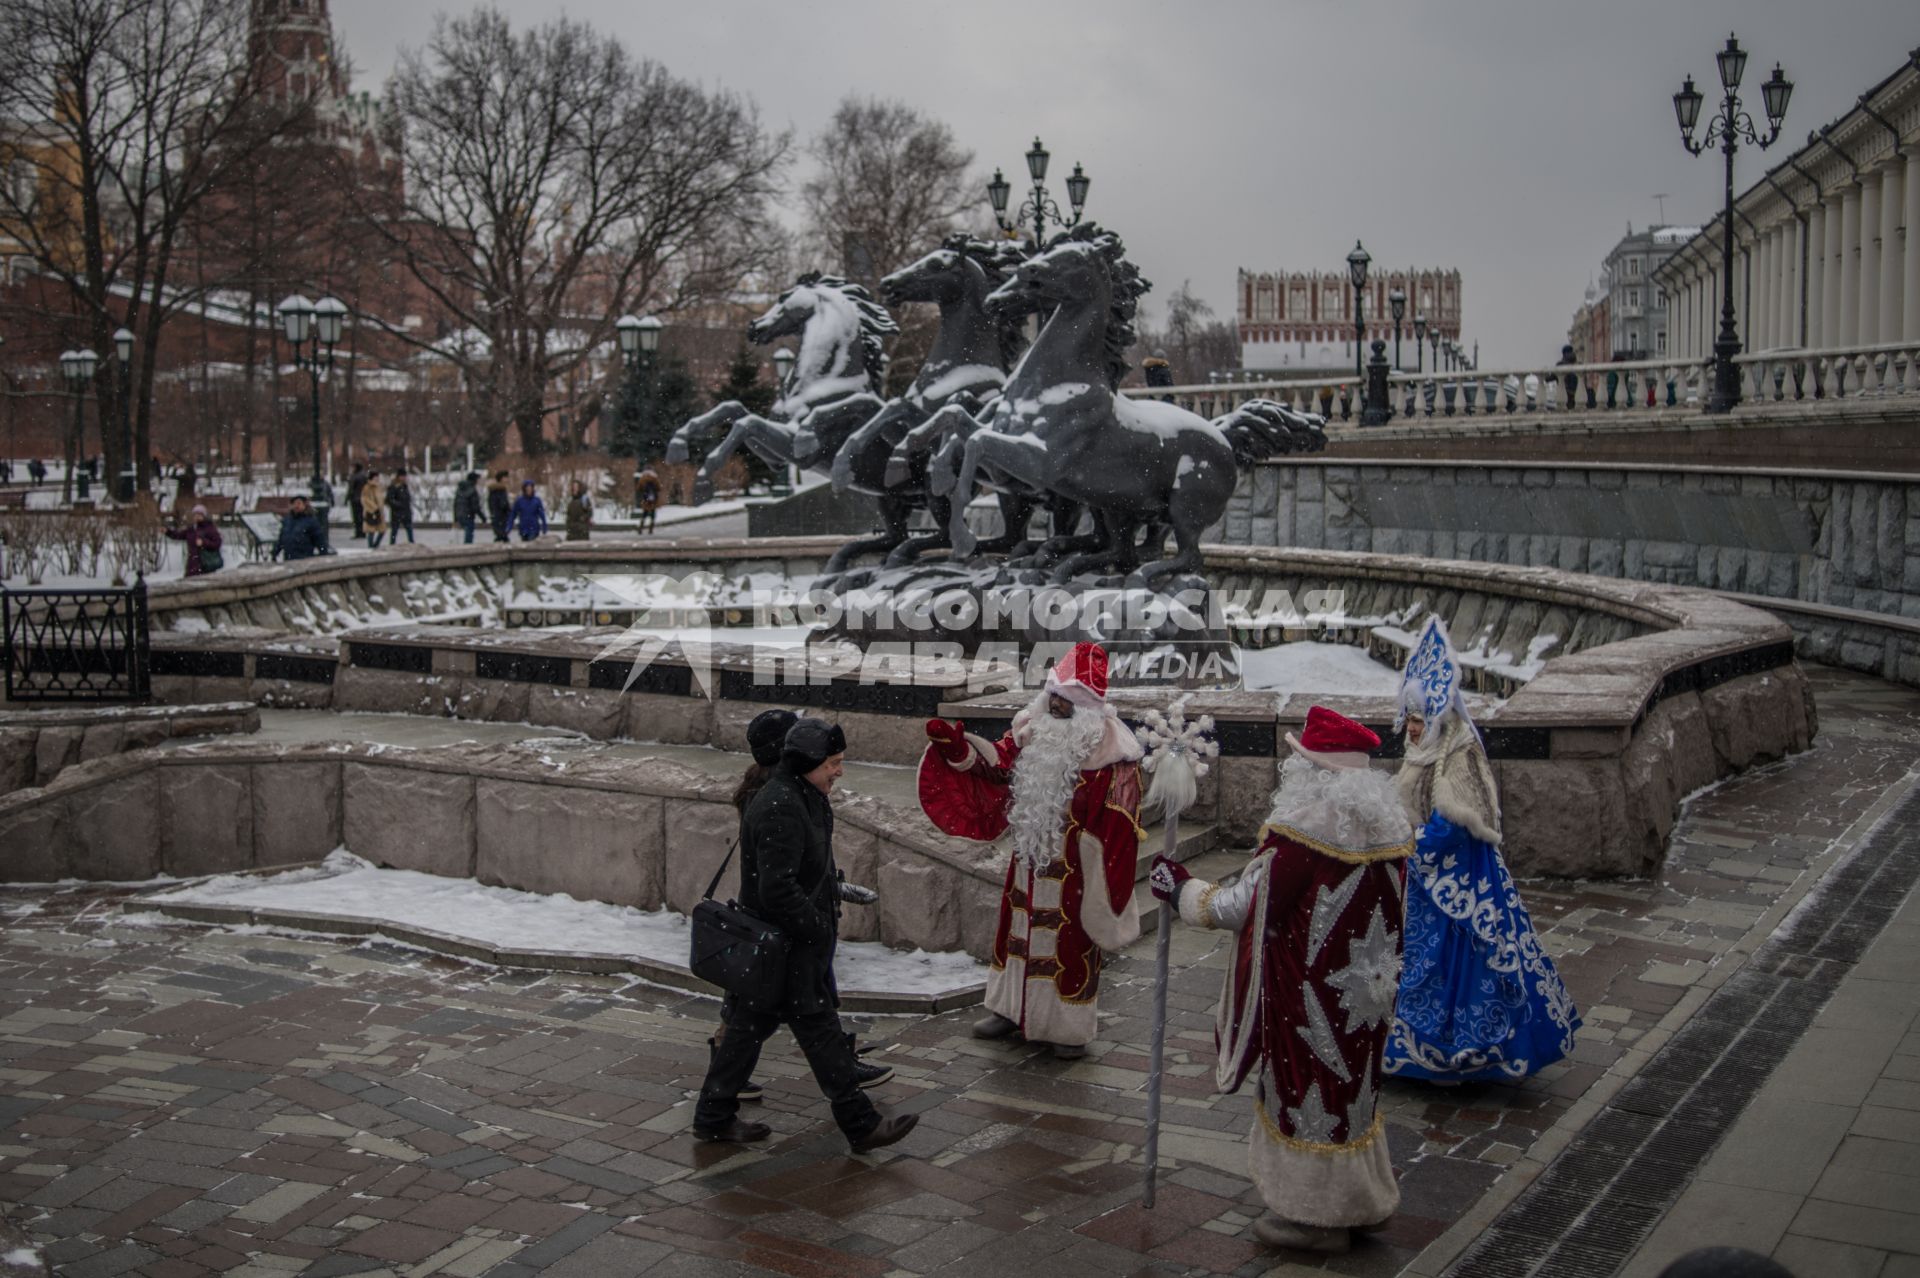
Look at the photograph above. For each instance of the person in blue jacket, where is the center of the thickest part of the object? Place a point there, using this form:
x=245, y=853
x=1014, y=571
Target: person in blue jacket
x=529, y=513
x=301, y=536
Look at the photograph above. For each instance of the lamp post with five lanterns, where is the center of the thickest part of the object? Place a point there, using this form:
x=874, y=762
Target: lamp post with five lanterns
x=313, y=329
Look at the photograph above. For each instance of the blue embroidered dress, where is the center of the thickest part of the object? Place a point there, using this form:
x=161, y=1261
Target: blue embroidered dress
x=1479, y=997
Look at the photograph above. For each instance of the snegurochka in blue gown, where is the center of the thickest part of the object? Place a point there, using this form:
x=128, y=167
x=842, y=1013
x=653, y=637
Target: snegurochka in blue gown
x=1479, y=997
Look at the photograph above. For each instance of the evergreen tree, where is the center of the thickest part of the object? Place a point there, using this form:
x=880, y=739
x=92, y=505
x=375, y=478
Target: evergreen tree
x=744, y=384
x=655, y=398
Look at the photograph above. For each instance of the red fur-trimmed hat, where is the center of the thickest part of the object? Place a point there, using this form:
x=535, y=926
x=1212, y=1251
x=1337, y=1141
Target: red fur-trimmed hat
x=1333, y=740
x=1081, y=675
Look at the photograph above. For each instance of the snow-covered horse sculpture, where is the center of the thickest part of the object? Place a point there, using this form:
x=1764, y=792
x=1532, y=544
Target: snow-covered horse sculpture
x=966, y=368
x=1059, y=427
x=832, y=389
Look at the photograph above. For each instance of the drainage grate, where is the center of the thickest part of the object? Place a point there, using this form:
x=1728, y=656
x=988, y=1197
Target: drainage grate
x=1594, y=1204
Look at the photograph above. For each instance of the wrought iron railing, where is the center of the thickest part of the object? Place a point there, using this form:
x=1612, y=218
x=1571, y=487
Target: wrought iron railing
x=1651, y=386
x=76, y=645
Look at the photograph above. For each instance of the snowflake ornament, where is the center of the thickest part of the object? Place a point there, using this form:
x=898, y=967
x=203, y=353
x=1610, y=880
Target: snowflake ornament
x=1178, y=753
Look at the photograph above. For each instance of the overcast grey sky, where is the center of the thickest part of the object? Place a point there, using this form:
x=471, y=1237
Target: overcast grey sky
x=1512, y=140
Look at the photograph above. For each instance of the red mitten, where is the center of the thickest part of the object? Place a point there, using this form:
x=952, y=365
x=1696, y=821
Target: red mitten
x=1167, y=878
x=950, y=739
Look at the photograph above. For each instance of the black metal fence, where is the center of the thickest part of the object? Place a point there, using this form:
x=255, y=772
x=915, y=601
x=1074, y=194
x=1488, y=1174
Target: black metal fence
x=76, y=645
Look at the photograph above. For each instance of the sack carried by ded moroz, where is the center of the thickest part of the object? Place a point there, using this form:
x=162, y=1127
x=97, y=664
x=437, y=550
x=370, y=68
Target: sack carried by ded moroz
x=742, y=954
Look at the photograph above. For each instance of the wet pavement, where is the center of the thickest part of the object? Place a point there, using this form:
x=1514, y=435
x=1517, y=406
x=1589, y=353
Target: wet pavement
x=175, y=1101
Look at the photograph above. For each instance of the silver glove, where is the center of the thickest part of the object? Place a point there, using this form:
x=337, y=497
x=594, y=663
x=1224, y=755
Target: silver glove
x=854, y=894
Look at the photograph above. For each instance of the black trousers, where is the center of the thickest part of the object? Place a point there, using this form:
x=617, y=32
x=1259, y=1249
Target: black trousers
x=822, y=1040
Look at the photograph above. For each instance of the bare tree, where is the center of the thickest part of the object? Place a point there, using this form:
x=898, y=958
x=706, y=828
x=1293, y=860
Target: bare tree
x=128, y=116
x=891, y=185
x=554, y=183
x=1195, y=343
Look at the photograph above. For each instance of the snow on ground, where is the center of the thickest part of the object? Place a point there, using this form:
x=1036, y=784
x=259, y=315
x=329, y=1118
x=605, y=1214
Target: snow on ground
x=1317, y=667
x=345, y=885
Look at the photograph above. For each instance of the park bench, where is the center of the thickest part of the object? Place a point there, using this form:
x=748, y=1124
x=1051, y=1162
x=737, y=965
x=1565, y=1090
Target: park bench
x=13, y=499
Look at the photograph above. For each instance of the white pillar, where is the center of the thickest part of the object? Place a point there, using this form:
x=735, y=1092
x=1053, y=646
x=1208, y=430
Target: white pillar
x=1867, y=330
x=1892, y=266
x=1910, y=286
x=1790, y=298
x=1817, y=220
x=1763, y=294
x=1846, y=320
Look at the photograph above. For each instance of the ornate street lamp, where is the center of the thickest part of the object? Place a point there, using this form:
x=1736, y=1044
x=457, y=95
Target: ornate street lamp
x=313, y=329
x=1039, y=206
x=1397, y=301
x=78, y=367
x=639, y=338
x=1728, y=128
x=130, y=469
x=1357, y=262
x=1419, y=341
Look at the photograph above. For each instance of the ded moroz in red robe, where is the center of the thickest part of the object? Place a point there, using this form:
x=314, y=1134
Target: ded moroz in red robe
x=1309, y=999
x=1054, y=920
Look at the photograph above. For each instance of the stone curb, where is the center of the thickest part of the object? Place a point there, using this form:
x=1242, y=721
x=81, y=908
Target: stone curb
x=1449, y=1246
x=669, y=975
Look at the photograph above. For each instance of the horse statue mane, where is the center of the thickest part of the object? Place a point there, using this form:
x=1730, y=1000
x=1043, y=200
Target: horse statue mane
x=1128, y=288
x=875, y=322
x=999, y=258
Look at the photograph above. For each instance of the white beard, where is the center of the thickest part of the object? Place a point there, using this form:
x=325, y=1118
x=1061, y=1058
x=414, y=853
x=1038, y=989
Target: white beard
x=1045, y=776
x=1353, y=809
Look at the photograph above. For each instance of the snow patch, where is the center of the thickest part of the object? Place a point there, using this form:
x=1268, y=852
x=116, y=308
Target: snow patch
x=346, y=885
x=1317, y=667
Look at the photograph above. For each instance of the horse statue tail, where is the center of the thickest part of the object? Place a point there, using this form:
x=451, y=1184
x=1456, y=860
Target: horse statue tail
x=1261, y=428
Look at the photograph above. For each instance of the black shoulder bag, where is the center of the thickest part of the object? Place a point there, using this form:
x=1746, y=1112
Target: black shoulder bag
x=740, y=953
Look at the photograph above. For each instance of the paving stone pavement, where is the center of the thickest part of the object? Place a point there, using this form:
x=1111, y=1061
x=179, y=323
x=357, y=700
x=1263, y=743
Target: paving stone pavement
x=175, y=1100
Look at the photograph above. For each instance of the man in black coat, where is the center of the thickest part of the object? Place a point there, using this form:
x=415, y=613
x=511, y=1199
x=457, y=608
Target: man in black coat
x=301, y=534
x=788, y=879
x=355, y=482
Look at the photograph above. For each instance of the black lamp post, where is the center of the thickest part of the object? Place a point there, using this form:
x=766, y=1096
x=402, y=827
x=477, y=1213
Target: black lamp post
x=1038, y=206
x=1397, y=300
x=130, y=470
x=313, y=329
x=639, y=338
x=1357, y=262
x=1433, y=340
x=1420, y=342
x=1728, y=128
x=79, y=367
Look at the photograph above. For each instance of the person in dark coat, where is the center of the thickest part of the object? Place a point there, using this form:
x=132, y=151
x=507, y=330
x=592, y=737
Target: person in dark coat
x=499, y=505
x=788, y=879
x=355, y=482
x=301, y=534
x=579, y=513
x=1157, y=370
x=203, y=542
x=529, y=513
x=400, y=503
x=466, y=505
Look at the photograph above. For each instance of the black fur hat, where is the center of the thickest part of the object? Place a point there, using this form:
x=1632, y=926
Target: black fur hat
x=766, y=732
x=811, y=742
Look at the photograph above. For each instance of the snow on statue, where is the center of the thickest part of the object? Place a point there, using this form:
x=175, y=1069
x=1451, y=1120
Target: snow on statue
x=1065, y=779
x=1309, y=995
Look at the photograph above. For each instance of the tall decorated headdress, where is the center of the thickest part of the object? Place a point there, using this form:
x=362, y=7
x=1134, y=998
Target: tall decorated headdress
x=1430, y=686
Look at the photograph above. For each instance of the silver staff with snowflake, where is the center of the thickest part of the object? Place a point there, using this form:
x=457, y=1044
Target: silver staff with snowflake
x=1178, y=754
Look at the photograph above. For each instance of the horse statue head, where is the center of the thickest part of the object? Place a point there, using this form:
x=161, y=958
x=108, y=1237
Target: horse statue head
x=1079, y=266
x=964, y=271
x=841, y=328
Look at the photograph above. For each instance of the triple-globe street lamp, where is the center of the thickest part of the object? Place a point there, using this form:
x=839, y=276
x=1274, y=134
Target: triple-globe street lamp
x=313, y=329
x=1728, y=128
x=1039, y=206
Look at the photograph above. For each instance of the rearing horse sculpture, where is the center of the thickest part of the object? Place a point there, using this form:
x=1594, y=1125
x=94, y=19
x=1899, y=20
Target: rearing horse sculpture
x=1060, y=428
x=967, y=366
x=832, y=389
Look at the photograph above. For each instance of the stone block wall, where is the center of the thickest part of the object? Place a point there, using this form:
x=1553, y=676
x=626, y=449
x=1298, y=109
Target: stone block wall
x=646, y=835
x=1844, y=540
x=38, y=745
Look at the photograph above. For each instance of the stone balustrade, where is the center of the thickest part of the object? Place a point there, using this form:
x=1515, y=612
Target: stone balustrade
x=1651, y=388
